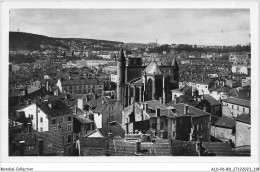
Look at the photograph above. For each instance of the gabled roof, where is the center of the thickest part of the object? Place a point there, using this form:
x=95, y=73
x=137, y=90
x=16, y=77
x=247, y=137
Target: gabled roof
x=237, y=101
x=192, y=111
x=96, y=102
x=211, y=100
x=226, y=122
x=245, y=118
x=116, y=130
x=59, y=108
x=82, y=119
x=240, y=93
x=153, y=68
x=219, y=88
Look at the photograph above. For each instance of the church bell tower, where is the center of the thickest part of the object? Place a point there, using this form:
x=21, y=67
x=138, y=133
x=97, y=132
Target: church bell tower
x=121, y=65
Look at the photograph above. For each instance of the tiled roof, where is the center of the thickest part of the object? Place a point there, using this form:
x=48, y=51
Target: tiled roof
x=116, y=130
x=59, y=108
x=155, y=104
x=220, y=88
x=211, y=100
x=225, y=122
x=82, y=119
x=93, y=142
x=246, y=118
x=99, y=108
x=79, y=82
x=96, y=102
x=191, y=110
x=241, y=94
x=237, y=101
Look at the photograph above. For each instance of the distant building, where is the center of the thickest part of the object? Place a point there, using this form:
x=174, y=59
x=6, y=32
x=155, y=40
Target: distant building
x=80, y=86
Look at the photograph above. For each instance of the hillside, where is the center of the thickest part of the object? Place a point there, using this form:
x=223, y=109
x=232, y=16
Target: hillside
x=29, y=41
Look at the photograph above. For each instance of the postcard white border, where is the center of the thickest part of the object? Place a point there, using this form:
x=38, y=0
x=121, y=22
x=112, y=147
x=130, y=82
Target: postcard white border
x=194, y=161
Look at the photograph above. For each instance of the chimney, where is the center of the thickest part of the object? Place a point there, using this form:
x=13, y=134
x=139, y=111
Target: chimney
x=202, y=97
x=161, y=100
x=158, y=111
x=204, y=108
x=76, y=110
x=186, y=109
x=80, y=104
x=29, y=101
x=56, y=92
x=50, y=103
x=132, y=100
x=145, y=107
x=94, y=96
x=29, y=127
x=175, y=99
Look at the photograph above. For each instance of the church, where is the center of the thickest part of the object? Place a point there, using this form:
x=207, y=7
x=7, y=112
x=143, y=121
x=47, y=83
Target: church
x=137, y=82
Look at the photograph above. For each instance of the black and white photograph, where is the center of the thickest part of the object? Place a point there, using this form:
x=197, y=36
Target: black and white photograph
x=130, y=82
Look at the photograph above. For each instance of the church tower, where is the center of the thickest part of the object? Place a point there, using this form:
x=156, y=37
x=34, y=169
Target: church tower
x=121, y=66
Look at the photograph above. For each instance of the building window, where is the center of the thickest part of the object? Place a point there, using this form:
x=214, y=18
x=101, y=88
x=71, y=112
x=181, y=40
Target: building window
x=69, y=138
x=206, y=86
x=61, y=120
x=227, y=105
x=69, y=127
x=232, y=106
x=243, y=109
x=41, y=119
x=31, y=116
x=69, y=118
x=54, y=121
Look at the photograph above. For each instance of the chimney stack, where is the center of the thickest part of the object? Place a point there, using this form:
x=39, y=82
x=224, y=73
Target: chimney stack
x=158, y=111
x=161, y=100
x=204, y=109
x=145, y=107
x=132, y=100
x=80, y=104
x=50, y=103
x=186, y=109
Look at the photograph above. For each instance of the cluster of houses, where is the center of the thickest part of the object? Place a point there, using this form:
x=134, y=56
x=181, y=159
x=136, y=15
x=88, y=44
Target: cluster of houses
x=75, y=112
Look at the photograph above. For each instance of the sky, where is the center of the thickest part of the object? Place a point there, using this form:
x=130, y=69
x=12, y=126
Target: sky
x=168, y=26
